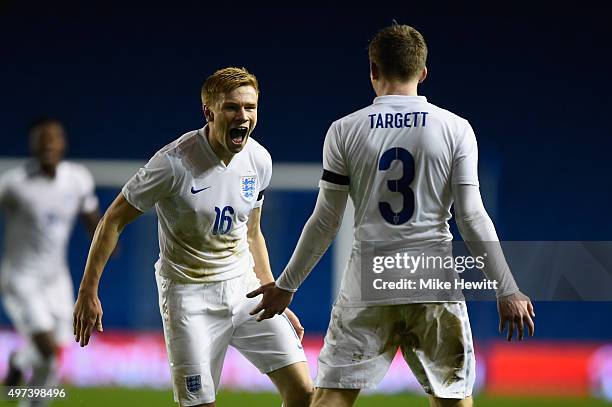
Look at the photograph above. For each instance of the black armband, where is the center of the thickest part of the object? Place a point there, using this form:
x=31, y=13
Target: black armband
x=335, y=178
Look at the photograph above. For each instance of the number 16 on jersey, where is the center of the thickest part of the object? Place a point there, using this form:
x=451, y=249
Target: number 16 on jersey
x=223, y=220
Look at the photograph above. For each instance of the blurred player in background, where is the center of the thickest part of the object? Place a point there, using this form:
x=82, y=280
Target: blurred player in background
x=404, y=162
x=208, y=189
x=40, y=201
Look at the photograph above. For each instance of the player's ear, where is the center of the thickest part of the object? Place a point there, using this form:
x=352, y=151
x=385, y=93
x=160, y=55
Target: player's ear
x=208, y=114
x=374, y=73
x=423, y=75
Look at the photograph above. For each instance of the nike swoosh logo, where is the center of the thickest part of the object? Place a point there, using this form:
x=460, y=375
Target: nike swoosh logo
x=195, y=191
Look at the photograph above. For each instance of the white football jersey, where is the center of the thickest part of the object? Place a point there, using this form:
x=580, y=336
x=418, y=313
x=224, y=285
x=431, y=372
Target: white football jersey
x=39, y=216
x=202, y=206
x=398, y=158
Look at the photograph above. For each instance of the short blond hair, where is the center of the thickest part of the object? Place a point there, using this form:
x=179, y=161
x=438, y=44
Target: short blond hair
x=399, y=52
x=226, y=80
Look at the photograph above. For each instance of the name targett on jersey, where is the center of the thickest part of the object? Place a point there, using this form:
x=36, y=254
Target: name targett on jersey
x=248, y=186
x=397, y=120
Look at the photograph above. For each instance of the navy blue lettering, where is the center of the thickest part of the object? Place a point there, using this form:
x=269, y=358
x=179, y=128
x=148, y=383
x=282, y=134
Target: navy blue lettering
x=407, y=120
x=398, y=120
x=372, y=120
x=379, y=121
x=388, y=120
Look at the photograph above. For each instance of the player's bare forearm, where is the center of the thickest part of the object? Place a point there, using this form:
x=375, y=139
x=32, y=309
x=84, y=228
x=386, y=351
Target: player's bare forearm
x=88, y=309
x=105, y=238
x=259, y=251
x=103, y=243
x=258, y=248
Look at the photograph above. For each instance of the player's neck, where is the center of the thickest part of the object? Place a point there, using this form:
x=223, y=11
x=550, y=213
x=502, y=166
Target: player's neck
x=49, y=170
x=218, y=149
x=385, y=88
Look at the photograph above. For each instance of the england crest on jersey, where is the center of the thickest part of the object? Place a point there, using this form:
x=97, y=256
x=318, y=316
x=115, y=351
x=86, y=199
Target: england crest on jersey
x=193, y=383
x=248, y=186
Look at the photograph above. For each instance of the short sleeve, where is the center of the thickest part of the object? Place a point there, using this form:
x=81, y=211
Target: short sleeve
x=266, y=176
x=89, y=200
x=335, y=174
x=150, y=184
x=465, y=158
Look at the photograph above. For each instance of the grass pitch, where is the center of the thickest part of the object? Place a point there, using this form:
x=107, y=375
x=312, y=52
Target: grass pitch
x=117, y=397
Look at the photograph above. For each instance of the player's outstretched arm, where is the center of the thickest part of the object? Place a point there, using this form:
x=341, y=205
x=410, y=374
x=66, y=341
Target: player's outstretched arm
x=258, y=248
x=88, y=310
x=478, y=232
x=262, y=269
x=317, y=235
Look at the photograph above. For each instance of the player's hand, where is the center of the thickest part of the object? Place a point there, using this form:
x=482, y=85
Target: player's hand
x=274, y=300
x=516, y=311
x=295, y=321
x=87, y=315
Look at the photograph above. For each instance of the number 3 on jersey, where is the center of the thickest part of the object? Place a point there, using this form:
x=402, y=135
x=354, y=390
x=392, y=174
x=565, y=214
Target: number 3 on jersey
x=401, y=185
x=223, y=221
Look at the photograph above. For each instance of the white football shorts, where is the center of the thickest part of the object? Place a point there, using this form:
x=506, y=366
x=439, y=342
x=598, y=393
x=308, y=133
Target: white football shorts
x=435, y=340
x=201, y=320
x=39, y=304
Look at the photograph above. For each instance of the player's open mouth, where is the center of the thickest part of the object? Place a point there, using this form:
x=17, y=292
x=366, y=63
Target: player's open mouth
x=238, y=135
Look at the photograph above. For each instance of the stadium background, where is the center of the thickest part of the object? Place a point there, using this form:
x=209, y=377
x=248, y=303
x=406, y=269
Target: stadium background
x=126, y=81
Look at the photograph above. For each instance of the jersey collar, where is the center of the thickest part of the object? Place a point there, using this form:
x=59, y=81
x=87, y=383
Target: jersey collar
x=398, y=99
x=205, y=144
x=33, y=169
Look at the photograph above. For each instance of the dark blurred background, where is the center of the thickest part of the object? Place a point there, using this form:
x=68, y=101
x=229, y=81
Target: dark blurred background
x=126, y=80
